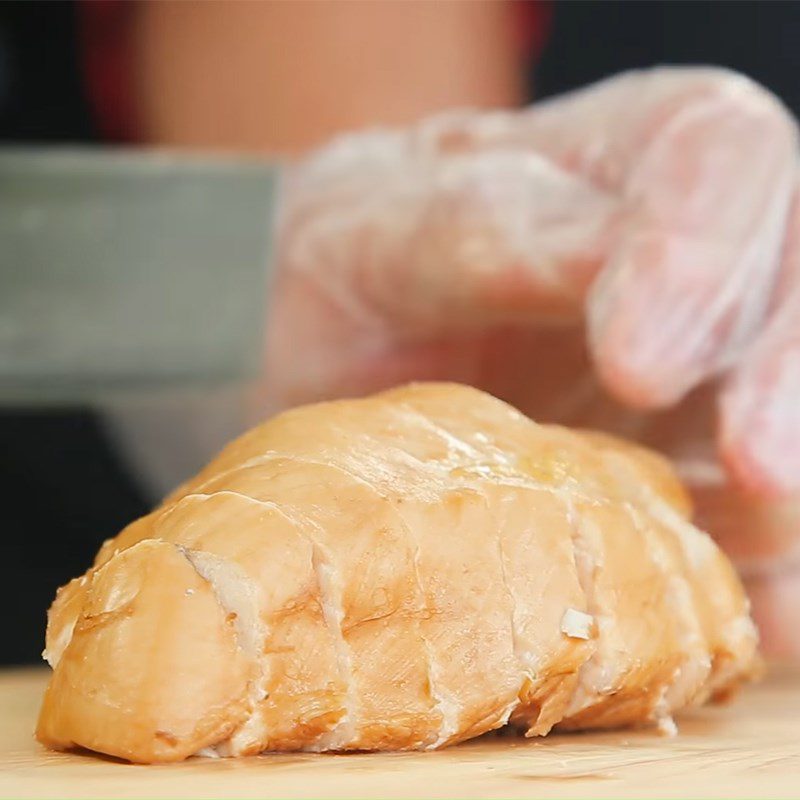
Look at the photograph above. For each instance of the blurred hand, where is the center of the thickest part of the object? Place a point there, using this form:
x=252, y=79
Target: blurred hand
x=626, y=257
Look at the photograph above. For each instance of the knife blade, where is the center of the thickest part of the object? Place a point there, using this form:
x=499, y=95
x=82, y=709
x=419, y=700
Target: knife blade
x=130, y=270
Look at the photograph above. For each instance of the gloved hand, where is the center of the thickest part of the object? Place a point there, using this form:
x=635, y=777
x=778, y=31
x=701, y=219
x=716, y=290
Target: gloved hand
x=626, y=257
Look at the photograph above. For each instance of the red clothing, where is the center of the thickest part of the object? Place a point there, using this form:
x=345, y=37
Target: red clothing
x=106, y=61
x=535, y=20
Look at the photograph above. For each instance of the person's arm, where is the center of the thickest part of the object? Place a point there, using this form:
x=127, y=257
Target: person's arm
x=284, y=76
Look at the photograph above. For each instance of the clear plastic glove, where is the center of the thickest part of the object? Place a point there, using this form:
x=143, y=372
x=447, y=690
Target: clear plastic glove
x=626, y=257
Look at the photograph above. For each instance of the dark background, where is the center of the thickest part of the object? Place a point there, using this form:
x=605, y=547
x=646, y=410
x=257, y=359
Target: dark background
x=62, y=488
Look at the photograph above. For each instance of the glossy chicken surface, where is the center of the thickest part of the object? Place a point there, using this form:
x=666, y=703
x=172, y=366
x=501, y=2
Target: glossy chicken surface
x=403, y=571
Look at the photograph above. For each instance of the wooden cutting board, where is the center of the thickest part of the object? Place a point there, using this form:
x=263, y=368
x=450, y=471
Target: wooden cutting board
x=748, y=749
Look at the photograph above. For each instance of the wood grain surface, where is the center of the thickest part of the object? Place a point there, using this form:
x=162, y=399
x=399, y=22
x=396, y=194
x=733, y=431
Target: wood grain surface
x=745, y=750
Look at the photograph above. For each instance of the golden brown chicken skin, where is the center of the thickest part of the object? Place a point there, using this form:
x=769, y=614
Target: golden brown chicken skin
x=403, y=571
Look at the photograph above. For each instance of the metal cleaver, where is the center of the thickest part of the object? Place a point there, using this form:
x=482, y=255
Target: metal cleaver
x=126, y=271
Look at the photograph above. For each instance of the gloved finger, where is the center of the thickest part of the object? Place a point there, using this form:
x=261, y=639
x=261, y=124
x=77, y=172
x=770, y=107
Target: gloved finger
x=705, y=207
x=759, y=534
x=702, y=161
x=775, y=601
x=400, y=231
x=760, y=404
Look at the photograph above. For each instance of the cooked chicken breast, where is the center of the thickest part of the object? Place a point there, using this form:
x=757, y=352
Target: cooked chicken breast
x=407, y=570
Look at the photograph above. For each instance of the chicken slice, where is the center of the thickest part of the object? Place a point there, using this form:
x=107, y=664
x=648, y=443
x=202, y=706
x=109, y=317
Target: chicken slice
x=148, y=614
x=539, y=565
x=638, y=650
x=693, y=673
x=302, y=694
x=468, y=625
x=721, y=605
